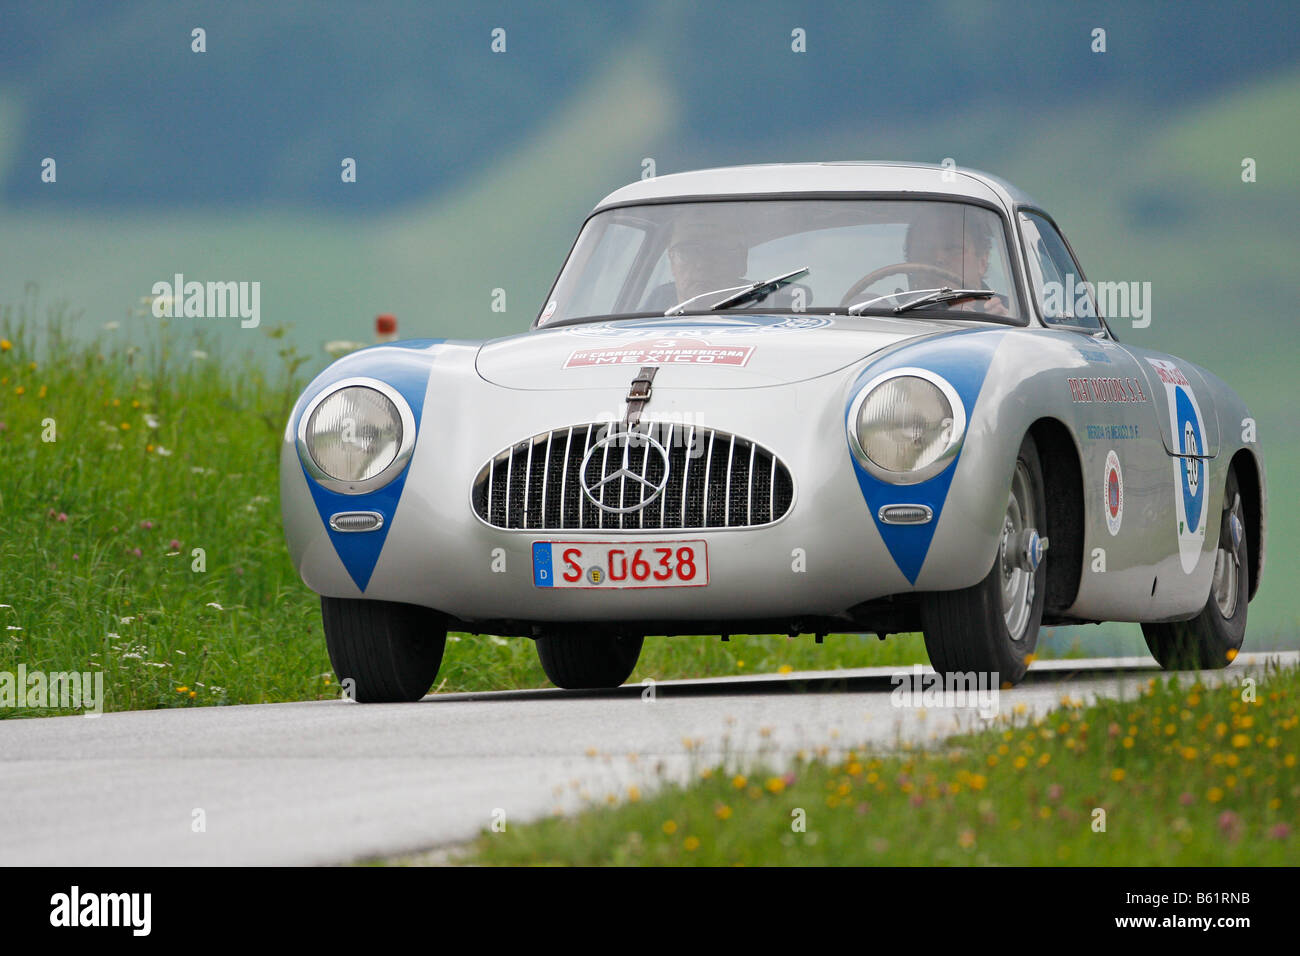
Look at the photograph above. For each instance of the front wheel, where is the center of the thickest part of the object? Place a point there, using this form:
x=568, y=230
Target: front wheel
x=390, y=652
x=1211, y=639
x=588, y=661
x=992, y=627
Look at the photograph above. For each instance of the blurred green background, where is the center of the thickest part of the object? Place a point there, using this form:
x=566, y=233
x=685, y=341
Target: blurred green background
x=476, y=168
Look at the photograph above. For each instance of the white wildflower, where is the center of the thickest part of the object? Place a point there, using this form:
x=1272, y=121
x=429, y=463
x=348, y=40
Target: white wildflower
x=339, y=347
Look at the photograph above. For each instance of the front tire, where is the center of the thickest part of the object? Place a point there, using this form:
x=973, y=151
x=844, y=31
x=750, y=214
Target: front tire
x=588, y=661
x=992, y=627
x=1211, y=640
x=390, y=652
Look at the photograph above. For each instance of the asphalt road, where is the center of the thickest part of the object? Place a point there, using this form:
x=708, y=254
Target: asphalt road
x=333, y=781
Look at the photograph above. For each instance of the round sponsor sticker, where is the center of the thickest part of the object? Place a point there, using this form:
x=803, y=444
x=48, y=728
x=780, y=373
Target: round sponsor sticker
x=547, y=312
x=1192, y=440
x=1114, y=492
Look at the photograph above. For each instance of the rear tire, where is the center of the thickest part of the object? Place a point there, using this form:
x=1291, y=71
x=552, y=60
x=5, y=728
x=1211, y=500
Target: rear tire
x=390, y=652
x=992, y=627
x=588, y=661
x=1211, y=640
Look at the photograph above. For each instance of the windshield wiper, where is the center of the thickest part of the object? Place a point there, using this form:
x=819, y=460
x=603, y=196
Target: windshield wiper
x=926, y=297
x=742, y=294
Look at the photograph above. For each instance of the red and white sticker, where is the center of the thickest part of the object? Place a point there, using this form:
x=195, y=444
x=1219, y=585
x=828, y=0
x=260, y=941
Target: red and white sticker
x=1168, y=372
x=685, y=351
x=1113, y=491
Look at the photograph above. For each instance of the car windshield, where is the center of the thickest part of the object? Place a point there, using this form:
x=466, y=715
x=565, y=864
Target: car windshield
x=873, y=253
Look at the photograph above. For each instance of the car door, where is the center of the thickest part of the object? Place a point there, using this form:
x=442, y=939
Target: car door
x=1189, y=431
x=1127, y=492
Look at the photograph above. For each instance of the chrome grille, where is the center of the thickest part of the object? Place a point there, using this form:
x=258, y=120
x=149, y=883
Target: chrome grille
x=714, y=480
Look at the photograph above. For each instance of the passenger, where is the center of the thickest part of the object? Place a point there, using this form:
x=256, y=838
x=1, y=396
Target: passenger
x=937, y=238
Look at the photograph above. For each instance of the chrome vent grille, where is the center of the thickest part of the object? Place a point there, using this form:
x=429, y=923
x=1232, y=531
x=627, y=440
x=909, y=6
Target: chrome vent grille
x=694, y=479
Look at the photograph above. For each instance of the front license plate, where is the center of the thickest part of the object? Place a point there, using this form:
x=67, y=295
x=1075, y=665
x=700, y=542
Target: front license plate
x=627, y=564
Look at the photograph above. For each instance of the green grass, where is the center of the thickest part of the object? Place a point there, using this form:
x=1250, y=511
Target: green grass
x=98, y=531
x=1186, y=775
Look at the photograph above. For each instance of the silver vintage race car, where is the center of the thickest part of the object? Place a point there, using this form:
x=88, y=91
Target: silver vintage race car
x=848, y=397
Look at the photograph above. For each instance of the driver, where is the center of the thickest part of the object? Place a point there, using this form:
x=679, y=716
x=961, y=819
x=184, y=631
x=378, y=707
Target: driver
x=937, y=238
x=704, y=255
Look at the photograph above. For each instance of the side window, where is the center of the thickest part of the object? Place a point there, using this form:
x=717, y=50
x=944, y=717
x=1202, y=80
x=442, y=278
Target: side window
x=606, y=269
x=1057, y=279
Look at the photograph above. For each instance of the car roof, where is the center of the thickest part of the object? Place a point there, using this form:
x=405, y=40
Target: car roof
x=829, y=177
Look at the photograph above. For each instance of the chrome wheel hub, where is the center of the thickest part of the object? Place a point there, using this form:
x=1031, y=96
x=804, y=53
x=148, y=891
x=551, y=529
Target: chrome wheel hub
x=1227, y=561
x=1020, y=555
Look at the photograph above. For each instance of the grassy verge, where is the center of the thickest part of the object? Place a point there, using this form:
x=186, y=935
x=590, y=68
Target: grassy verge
x=1184, y=775
x=140, y=531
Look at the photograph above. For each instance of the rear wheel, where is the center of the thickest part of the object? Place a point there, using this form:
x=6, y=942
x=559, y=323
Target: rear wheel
x=588, y=661
x=992, y=627
x=1211, y=639
x=390, y=652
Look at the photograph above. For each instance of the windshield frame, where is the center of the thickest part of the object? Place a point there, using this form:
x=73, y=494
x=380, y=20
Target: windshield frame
x=1033, y=295
x=1027, y=313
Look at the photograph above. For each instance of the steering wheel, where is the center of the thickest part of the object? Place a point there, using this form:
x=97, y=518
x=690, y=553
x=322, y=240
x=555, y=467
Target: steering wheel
x=905, y=268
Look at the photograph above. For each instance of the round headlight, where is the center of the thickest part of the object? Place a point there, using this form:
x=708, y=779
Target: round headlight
x=907, y=424
x=354, y=433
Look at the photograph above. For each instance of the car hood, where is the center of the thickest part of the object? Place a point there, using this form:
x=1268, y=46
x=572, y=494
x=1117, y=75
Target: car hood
x=716, y=351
